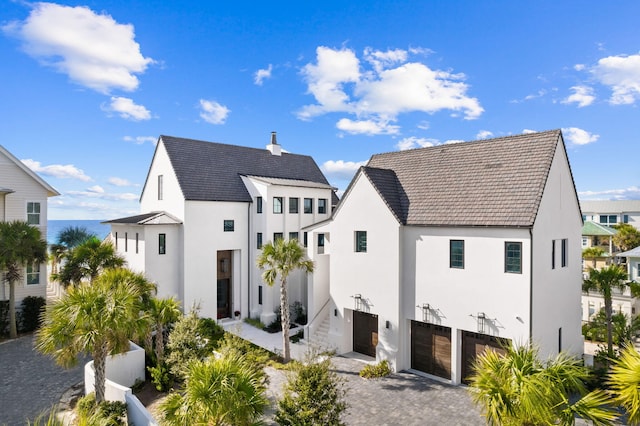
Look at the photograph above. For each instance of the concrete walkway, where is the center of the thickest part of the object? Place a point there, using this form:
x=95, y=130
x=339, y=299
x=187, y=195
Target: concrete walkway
x=30, y=383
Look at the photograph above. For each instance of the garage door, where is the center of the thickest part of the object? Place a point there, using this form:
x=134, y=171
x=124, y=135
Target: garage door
x=365, y=333
x=431, y=349
x=474, y=344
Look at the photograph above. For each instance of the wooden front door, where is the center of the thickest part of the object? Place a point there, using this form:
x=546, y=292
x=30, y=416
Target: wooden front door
x=223, y=287
x=474, y=344
x=431, y=349
x=365, y=333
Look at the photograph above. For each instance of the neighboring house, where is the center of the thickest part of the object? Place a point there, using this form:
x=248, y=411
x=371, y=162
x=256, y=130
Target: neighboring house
x=207, y=209
x=600, y=236
x=23, y=196
x=436, y=253
x=612, y=212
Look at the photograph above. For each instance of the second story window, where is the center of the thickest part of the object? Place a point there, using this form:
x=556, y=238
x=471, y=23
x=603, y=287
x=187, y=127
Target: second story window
x=259, y=240
x=513, y=257
x=160, y=187
x=456, y=254
x=126, y=241
x=33, y=213
x=258, y=204
x=308, y=205
x=277, y=236
x=361, y=241
x=162, y=243
x=293, y=235
x=564, y=253
x=277, y=205
x=229, y=226
x=322, y=205
x=608, y=219
x=293, y=205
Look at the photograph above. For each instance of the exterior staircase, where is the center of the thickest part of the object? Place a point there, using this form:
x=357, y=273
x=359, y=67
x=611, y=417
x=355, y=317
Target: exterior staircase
x=319, y=340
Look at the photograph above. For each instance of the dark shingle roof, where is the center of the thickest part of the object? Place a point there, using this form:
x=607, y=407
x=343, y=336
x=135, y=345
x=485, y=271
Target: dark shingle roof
x=492, y=182
x=208, y=171
x=388, y=186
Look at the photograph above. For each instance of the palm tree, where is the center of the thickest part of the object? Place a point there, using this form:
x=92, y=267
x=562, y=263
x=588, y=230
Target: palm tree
x=96, y=319
x=222, y=391
x=73, y=236
x=624, y=380
x=87, y=260
x=604, y=281
x=163, y=312
x=20, y=245
x=517, y=389
x=280, y=259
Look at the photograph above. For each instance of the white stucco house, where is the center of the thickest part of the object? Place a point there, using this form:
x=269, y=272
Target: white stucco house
x=611, y=212
x=434, y=254
x=207, y=209
x=23, y=197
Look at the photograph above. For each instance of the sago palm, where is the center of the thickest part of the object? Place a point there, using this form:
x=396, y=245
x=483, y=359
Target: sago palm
x=223, y=391
x=279, y=259
x=624, y=380
x=96, y=319
x=518, y=389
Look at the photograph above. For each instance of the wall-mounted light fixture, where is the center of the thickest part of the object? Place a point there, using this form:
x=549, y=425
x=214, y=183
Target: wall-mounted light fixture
x=426, y=310
x=387, y=324
x=481, y=318
x=358, y=301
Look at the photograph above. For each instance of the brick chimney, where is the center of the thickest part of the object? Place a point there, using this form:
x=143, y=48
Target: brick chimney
x=273, y=147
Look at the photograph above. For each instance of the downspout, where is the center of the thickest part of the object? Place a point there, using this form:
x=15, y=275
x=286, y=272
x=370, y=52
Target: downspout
x=531, y=285
x=249, y=260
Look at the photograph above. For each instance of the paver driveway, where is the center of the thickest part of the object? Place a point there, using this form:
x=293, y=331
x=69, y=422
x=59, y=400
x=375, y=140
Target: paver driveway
x=30, y=382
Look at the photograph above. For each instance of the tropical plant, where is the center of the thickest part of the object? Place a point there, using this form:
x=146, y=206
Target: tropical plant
x=604, y=281
x=376, y=371
x=20, y=245
x=314, y=395
x=30, y=313
x=162, y=312
x=627, y=237
x=87, y=260
x=56, y=253
x=623, y=328
x=518, y=389
x=72, y=236
x=279, y=259
x=624, y=381
x=222, y=391
x=593, y=253
x=96, y=319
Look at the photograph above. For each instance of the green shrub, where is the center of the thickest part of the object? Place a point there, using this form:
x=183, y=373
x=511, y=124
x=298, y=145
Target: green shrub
x=374, y=371
x=4, y=317
x=32, y=307
x=232, y=345
x=298, y=313
x=107, y=413
x=314, y=395
x=297, y=337
x=161, y=377
x=86, y=405
x=254, y=322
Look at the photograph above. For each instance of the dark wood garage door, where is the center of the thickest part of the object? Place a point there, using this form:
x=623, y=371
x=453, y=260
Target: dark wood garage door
x=474, y=344
x=365, y=333
x=431, y=349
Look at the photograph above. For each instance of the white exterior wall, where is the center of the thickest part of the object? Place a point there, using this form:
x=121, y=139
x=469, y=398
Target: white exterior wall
x=374, y=274
x=26, y=189
x=126, y=245
x=456, y=296
x=172, y=198
x=165, y=269
x=204, y=236
x=557, y=292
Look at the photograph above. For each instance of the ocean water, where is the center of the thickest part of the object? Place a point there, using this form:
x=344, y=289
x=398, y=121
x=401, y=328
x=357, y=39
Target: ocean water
x=93, y=226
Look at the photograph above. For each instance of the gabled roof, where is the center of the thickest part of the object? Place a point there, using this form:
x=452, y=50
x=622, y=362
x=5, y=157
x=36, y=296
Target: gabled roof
x=591, y=228
x=292, y=182
x=630, y=253
x=51, y=192
x=153, y=218
x=491, y=182
x=610, y=206
x=208, y=171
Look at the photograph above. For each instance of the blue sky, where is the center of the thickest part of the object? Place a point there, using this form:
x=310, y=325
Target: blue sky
x=87, y=87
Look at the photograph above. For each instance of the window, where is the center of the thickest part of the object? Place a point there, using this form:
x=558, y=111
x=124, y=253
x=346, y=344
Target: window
x=277, y=236
x=456, y=254
x=116, y=238
x=304, y=239
x=162, y=243
x=361, y=241
x=259, y=295
x=608, y=219
x=229, y=225
x=259, y=240
x=320, y=243
x=33, y=213
x=308, y=205
x=293, y=235
x=513, y=257
x=160, y=187
x=553, y=254
x=33, y=274
x=126, y=241
x=258, y=204
x=564, y=248
x=137, y=242
x=277, y=205
x=293, y=205
x=322, y=205
x=585, y=241
x=625, y=218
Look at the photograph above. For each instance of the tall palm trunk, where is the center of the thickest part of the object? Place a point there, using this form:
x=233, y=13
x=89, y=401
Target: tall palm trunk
x=284, y=310
x=159, y=343
x=13, y=329
x=608, y=313
x=100, y=369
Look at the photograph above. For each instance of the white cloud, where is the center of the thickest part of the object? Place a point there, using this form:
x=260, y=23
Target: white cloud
x=92, y=49
x=67, y=171
x=262, y=74
x=212, y=112
x=484, y=134
x=341, y=169
x=98, y=192
x=389, y=86
x=116, y=181
x=582, y=95
x=139, y=140
x=415, y=142
x=367, y=127
x=631, y=193
x=577, y=136
x=579, y=67
x=528, y=131
x=127, y=109
x=622, y=75
x=97, y=189
x=423, y=125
